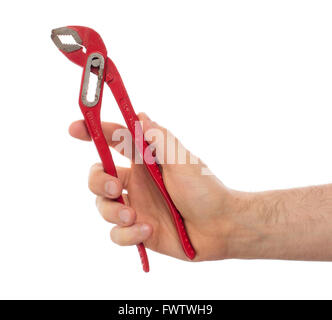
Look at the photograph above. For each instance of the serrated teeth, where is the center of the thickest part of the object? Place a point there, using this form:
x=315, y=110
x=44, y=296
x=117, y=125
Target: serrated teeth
x=61, y=37
x=67, y=39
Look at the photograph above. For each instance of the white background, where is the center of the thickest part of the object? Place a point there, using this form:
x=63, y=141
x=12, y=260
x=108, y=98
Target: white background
x=246, y=85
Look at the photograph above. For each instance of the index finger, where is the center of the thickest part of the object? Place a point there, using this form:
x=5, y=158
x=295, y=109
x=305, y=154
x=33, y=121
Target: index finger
x=79, y=131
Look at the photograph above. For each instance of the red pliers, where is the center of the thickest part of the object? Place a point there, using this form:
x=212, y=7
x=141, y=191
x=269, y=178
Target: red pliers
x=90, y=53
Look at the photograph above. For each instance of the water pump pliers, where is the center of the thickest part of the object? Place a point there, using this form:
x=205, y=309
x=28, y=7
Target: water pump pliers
x=89, y=52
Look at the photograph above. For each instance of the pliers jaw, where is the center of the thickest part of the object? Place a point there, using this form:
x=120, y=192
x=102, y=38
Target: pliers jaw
x=87, y=41
x=65, y=47
x=89, y=52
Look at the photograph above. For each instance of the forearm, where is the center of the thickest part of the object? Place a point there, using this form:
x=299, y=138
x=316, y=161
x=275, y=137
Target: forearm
x=291, y=224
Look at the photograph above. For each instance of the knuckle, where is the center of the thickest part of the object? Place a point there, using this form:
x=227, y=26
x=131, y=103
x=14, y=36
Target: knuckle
x=93, y=176
x=90, y=185
x=96, y=166
x=116, y=236
x=121, y=237
x=100, y=203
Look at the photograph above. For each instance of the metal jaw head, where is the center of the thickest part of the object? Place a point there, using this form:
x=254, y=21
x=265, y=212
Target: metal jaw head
x=84, y=37
x=64, y=31
x=92, y=59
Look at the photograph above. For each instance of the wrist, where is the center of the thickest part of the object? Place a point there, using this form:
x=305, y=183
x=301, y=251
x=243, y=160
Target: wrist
x=247, y=236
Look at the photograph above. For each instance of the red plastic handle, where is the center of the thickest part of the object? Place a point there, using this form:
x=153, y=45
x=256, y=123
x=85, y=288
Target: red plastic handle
x=93, y=123
x=114, y=81
x=92, y=60
x=92, y=120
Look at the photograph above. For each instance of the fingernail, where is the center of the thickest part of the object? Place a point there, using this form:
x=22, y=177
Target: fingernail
x=124, y=215
x=146, y=116
x=145, y=229
x=148, y=120
x=111, y=188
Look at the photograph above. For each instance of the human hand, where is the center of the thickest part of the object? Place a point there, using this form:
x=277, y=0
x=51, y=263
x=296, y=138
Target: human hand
x=206, y=205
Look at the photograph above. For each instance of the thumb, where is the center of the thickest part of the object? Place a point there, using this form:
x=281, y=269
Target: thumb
x=165, y=147
x=148, y=124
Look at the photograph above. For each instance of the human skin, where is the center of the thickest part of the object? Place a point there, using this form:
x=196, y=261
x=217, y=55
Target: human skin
x=222, y=223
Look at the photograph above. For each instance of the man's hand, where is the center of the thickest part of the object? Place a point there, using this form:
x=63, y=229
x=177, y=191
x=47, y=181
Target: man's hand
x=201, y=199
x=221, y=223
